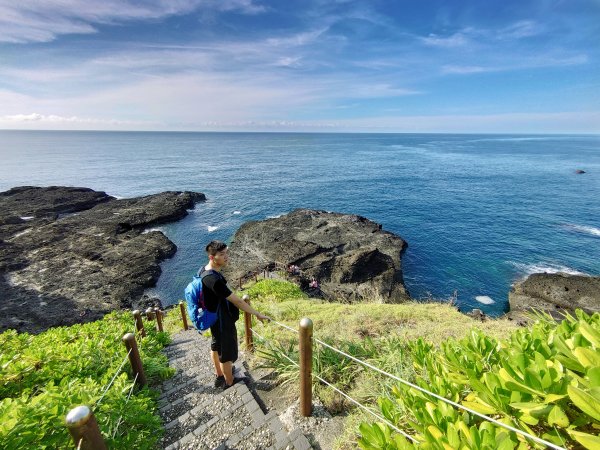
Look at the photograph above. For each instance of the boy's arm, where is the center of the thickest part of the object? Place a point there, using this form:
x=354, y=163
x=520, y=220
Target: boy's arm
x=241, y=304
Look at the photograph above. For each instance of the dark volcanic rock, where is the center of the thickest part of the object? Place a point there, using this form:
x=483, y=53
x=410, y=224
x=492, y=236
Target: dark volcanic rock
x=555, y=293
x=69, y=255
x=350, y=256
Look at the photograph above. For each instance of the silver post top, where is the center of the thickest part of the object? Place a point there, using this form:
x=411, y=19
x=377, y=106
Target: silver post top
x=246, y=297
x=305, y=322
x=78, y=416
x=136, y=312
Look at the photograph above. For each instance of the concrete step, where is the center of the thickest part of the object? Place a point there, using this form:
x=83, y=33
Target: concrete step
x=199, y=416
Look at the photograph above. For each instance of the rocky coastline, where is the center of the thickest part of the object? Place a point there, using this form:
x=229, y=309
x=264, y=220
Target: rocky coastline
x=350, y=257
x=555, y=294
x=70, y=255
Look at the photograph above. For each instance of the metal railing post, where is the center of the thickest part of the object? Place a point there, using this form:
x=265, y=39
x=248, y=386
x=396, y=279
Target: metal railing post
x=139, y=323
x=84, y=429
x=150, y=314
x=306, y=332
x=183, y=315
x=159, y=317
x=134, y=358
x=248, y=327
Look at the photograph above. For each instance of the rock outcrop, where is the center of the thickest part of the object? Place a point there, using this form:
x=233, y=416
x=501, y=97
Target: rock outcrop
x=70, y=255
x=555, y=293
x=351, y=257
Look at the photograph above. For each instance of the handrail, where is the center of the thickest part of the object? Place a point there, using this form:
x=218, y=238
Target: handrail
x=439, y=397
x=425, y=391
x=339, y=391
x=113, y=379
x=126, y=401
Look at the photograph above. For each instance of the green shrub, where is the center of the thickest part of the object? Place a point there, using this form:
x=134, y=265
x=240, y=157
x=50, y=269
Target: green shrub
x=44, y=376
x=544, y=380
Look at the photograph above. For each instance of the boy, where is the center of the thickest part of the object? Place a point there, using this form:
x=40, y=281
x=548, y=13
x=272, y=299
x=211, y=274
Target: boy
x=219, y=298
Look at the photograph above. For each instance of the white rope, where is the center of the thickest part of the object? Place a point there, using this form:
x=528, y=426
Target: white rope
x=126, y=401
x=367, y=409
x=439, y=397
x=284, y=326
x=113, y=378
x=346, y=395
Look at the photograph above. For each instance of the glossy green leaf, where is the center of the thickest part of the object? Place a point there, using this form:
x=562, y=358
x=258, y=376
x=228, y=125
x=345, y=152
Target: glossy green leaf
x=587, y=357
x=589, y=441
x=585, y=401
x=590, y=333
x=558, y=417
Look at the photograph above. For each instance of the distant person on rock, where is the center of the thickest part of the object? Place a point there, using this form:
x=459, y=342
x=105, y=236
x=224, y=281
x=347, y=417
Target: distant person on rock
x=218, y=297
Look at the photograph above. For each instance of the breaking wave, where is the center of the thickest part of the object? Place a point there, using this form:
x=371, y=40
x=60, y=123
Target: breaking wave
x=528, y=269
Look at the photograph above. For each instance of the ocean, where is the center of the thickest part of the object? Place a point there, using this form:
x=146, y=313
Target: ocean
x=479, y=212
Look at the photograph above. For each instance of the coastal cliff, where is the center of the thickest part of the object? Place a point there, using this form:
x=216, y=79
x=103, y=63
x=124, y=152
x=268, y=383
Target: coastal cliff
x=350, y=256
x=71, y=255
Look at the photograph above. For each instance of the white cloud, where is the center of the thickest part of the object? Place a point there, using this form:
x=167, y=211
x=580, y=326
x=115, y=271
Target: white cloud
x=521, y=29
x=42, y=21
x=455, y=40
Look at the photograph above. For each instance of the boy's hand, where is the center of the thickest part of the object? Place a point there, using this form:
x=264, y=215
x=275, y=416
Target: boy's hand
x=263, y=318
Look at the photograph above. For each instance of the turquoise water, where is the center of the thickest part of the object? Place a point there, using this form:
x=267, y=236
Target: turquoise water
x=478, y=211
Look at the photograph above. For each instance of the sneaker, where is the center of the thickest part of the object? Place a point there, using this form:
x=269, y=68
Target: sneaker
x=235, y=381
x=219, y=381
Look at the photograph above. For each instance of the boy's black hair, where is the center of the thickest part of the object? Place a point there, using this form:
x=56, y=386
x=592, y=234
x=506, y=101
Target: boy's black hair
x=214, y=247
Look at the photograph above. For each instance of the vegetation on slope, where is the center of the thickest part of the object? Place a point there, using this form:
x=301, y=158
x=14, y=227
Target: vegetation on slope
x=42, y=377
x=544, y=379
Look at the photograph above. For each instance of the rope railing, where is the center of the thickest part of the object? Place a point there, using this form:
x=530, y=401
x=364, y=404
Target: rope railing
x=439, y=397
x=126, y=401
x=357, y=403
x=110, y=383
x=80, y=421
x=413, y=386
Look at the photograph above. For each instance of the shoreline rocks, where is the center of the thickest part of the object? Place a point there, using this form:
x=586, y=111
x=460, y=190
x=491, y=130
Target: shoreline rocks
x=350, y=256
x=554, y=293
x=69, y=255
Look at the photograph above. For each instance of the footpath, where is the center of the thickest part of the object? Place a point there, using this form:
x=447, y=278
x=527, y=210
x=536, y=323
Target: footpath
x=196, y=415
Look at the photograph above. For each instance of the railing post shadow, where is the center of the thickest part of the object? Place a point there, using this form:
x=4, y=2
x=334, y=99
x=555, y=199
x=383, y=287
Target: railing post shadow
x=248, y=327
x=134, y=358
x=183, y=315
x=84, y=429
x=139, y=323
x=306, y=332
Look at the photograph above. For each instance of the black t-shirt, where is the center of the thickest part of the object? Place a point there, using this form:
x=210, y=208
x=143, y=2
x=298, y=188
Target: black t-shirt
x=215, y=290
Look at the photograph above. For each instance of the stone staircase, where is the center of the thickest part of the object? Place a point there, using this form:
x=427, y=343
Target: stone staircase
x=197, y=415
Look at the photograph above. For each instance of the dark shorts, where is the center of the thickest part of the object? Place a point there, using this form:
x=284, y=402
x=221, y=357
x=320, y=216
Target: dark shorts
x=224, y=339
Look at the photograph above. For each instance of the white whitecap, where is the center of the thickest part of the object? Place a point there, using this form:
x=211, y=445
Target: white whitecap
x=484, y=299
x=237, y=212
x=26, y=217
x=211, y=229
x=277, y=216
x=149, y=230
x=586, y=229
x=529, y=269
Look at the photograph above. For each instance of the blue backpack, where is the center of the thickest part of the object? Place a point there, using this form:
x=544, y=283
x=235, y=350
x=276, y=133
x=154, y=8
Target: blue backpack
x=201, y=317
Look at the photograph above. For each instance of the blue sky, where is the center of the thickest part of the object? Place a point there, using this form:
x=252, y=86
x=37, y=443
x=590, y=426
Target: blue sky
x=251, y=65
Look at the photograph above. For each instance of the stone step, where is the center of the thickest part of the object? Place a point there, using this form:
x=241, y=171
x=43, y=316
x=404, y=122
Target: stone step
x=199, y=416
x=242, y=425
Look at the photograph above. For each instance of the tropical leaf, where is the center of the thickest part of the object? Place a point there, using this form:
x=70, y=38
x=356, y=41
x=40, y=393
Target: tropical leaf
x=588, y=402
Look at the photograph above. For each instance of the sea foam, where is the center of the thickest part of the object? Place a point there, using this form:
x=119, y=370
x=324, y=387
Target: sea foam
x=529, y=269
x=485, y=299
x=211, y=228
x=585, y=229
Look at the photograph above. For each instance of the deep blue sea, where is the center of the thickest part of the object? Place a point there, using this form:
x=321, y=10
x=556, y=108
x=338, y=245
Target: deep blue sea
x=478, y=211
